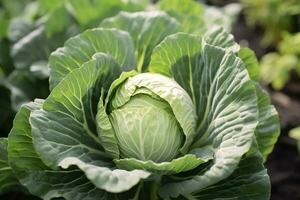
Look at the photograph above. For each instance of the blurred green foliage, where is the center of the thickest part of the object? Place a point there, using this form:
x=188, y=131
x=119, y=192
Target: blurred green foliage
x=273, y=16
x=276, y=67
x=295, y=134
x=280, y=21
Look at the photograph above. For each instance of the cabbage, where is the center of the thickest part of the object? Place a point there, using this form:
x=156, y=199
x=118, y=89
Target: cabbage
x=140, y=110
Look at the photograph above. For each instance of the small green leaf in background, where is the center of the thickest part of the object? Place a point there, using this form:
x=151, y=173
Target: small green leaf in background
x=290, y=44
x=87, y=11
x=50, y=5
x=275, y=69
x=273, y=16
x=295, y=133
x=24, y=86
x=35, y=47
x=57, y=21
x=4, y=22
x=66, y=121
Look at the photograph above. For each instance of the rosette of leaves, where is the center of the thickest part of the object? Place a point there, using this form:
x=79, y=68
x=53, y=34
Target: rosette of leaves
x=138, y=110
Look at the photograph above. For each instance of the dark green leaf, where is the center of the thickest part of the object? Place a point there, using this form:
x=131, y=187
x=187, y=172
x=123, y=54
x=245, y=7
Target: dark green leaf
x=81, y=49
x=143, y=28
x=8, y=180
x=65, y=126
x=268, y=129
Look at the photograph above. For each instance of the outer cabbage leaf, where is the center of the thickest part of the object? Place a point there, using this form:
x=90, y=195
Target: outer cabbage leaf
x=115, y=181
x=64, y=133
x=81, y=48
x=267, y=130
x=188, y=48
x=50, y=4
x=143, y=27
x=20, y=138
x=275, y=68
x=225, y=103
x=221, y=16
x=65, y=126
x=249, y=181
x=218, y=36
x=23, y=87
x=35, y=175
x=8, y=180
x=251, y=62
x=295, y=133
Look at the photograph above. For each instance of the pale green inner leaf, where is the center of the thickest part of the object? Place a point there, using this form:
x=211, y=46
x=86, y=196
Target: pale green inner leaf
x=181, y=164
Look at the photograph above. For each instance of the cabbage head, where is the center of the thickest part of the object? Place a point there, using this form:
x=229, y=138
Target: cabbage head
x=140, y=110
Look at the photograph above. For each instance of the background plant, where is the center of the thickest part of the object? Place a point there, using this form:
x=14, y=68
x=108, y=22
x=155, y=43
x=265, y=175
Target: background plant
x=277, y=67
x=273, y=16
x=295, y=133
